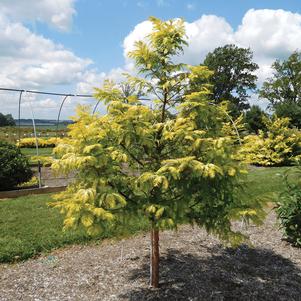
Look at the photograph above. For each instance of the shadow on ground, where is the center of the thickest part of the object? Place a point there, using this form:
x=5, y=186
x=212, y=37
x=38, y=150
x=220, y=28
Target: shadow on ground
x=225, y=274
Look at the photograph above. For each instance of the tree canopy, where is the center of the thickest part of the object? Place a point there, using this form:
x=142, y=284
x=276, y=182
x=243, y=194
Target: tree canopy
x=254, y=119
x=169, y=158
x=283, y=89
x=233, y=76
x=7, y=120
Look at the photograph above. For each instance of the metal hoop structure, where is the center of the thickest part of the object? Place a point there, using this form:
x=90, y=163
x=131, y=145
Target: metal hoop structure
x=19, y=115
x=59, y=114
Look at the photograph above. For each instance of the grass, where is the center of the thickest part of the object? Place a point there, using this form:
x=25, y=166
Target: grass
x=267, y=182
x=31, y=154
x=47, y=151
x=29, y=227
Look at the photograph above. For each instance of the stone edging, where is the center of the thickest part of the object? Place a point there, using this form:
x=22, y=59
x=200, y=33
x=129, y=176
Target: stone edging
x=24, y=192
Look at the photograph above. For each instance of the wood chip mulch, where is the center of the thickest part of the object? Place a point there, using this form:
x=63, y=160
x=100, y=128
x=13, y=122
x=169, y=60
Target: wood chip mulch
x=194, y=266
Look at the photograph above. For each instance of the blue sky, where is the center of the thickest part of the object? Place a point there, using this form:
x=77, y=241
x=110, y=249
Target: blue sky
x=73, y=45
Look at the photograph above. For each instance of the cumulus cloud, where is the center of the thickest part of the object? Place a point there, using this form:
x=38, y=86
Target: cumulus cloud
x=57, y=13
x=94, y=79
x=32, y=61
x=271, y=34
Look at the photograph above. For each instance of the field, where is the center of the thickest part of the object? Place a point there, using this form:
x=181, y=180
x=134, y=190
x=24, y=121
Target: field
x=11, y=134
x=28, y=226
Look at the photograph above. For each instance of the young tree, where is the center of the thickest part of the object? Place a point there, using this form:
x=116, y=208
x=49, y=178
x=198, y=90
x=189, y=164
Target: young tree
x=233, y=76
x=169, y=162
x=283, y=90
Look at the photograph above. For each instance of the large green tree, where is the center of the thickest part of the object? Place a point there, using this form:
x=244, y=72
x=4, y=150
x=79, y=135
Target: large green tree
x=254, y=119
x=233, y=76
x=283, y=89
x=170, y=161
x=7, y=120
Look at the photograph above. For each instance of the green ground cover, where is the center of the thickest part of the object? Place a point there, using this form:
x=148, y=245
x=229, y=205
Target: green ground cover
x=29, y=227
x=47, y=151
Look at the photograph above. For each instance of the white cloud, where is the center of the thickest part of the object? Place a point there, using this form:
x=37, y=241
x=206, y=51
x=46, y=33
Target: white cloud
x=138, y=33
x=31, y=61
x=204, y=35
x=94, y=79
x=57, y=13
x=271, y=34
x=28, y=60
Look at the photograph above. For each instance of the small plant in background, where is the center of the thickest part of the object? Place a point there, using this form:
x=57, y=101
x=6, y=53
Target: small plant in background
x=279, y=146
x=14, y=166
x=33, y=182
x=289, y=209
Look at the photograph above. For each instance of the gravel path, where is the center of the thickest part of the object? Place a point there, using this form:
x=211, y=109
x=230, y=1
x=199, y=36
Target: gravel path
x=194, y=266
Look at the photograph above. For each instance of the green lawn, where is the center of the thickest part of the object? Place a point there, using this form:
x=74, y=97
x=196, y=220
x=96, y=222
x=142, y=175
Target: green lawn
x=31, y=154
x=47, y=151
x=267, y=182
x=28, y=226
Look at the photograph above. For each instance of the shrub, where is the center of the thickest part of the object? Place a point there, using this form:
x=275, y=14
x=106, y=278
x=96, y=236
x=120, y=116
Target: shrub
x=279, y=146
x=33, y=182
x=289, y=212
x=14, y=166
x=42, y=143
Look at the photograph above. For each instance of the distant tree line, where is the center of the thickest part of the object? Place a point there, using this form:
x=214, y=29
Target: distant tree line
x=6, y=120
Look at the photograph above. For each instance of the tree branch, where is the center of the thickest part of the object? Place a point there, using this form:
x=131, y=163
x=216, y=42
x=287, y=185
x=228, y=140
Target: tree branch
x=132, y=156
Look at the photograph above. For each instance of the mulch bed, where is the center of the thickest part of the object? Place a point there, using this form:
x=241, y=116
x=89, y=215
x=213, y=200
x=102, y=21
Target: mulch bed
x=194, y=266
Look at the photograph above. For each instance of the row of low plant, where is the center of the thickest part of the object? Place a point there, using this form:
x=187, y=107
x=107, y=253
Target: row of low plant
x=11, y=134
x=42, y=142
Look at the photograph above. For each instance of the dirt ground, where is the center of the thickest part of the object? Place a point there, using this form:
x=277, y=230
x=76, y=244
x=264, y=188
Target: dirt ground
x=193, y=266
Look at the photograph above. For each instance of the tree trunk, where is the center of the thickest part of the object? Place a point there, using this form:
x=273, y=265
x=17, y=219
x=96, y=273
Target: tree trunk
x=154, y=264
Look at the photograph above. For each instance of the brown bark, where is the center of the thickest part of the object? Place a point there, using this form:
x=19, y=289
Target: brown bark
x=154, y=264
